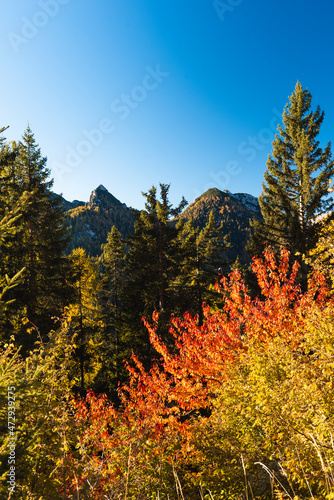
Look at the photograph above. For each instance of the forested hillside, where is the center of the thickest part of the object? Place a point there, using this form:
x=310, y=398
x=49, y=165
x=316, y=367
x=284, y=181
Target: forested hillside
x=233, y=211
x=159, y=365
x=91, y=222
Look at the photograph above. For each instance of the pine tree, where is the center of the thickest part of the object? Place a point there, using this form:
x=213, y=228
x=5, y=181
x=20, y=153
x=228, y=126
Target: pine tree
x=7, y=227
x=200, y=255
x=295, y=191
x=112, y=260
x=40, y=238
x=150, y=266
x=83, y=316
x=114, y=348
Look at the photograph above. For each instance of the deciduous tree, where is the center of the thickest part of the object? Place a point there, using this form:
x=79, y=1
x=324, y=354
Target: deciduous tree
x=260, y=371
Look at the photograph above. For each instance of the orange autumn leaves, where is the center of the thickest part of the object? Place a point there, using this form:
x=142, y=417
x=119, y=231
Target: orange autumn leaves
x=154, y=425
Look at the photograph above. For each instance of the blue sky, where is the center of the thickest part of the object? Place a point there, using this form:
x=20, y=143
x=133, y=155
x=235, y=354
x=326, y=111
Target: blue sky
x=130, y=93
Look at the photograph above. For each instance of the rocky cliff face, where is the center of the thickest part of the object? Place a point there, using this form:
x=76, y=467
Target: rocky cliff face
x=91, y=222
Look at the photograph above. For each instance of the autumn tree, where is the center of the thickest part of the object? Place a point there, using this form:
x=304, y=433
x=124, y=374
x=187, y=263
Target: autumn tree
x=39, y=405
x=321, y=257
x=261, y=370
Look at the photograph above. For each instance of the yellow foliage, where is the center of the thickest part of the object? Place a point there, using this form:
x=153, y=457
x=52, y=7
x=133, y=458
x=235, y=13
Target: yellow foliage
x=321, y=258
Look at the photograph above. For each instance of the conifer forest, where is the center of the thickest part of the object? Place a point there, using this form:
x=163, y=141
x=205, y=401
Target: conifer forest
x=174, y=352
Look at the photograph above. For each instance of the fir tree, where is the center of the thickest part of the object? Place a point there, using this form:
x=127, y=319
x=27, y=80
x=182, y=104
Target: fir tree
x=150, y=266
x=114, y=348
x=7, y=227
x=40, y=238
x=201, y=253
x=295, y=191
x=83, y=316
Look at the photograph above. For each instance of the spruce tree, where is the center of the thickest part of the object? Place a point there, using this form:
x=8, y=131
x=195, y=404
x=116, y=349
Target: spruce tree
x=112, y=260
x=150, y=267
x=40, y=238
x=295, y=191
x=114, y=347
x=201, y=253
x=8, y=221
x=83, y=317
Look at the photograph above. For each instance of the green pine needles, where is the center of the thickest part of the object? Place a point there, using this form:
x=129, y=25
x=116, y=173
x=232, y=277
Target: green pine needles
x=295, y=191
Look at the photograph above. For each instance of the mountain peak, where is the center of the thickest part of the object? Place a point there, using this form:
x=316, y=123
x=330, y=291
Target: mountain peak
x=212, y=192
x=91, y=223
x=101, y=196
x=233, y=211
x=247, y=200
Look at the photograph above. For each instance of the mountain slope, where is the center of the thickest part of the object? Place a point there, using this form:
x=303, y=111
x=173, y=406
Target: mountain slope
x=234, y=210
x=91, y=222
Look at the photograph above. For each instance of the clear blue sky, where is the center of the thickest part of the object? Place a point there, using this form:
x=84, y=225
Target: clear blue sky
x=130, y=93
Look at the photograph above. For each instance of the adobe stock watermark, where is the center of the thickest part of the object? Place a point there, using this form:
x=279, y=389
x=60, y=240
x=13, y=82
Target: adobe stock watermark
x=226, y=6
x=11, y=445
x=256, y=143
x=222, y=178
x=121, y=108
x=248, y=148
x=30, y=27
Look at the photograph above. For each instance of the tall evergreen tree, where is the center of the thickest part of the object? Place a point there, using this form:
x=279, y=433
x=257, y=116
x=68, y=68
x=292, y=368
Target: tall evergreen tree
x=150, y=266
x=112, y=260
x=295, y=191
x=201, y=253
x=41, y=236
x=114, y=349
x=83, y=316
x=7, y=227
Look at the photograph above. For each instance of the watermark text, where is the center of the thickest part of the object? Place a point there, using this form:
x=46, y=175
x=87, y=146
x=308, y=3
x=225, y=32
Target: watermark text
x=11, y=405
x=31, y=27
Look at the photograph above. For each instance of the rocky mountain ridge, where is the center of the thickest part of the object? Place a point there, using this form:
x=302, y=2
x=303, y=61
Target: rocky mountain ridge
x=234, y=211
x=91, y=221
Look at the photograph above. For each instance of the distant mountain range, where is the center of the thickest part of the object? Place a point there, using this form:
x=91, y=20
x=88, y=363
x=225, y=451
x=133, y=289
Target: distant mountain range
x=90, y=222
